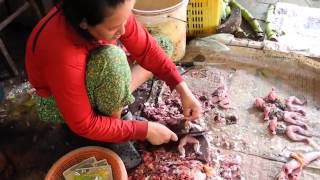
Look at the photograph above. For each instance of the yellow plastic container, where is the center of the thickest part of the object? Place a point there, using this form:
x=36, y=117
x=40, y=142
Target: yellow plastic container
x=203, y=17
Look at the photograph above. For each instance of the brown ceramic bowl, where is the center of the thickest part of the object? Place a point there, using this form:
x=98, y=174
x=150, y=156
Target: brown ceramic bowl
x=76, y=156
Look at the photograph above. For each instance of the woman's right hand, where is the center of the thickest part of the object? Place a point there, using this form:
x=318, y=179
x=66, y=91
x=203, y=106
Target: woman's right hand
x=158, y=134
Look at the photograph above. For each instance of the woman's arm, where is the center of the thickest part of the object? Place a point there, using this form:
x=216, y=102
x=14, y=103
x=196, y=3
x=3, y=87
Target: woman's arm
x=143, y=47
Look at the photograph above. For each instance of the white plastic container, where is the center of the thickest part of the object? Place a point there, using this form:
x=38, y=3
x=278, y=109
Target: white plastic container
x=167, y=17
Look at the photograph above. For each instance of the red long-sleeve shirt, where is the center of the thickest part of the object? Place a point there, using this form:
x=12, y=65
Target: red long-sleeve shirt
x=56, y=64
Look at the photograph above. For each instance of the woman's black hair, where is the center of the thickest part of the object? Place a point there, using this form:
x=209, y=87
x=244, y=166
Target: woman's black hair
x=93, y=11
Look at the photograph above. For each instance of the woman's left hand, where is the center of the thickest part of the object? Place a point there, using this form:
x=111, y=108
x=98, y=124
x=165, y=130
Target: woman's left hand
x=191, y=106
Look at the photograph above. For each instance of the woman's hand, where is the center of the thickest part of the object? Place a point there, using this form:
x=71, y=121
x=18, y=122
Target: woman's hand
x=191, y=106
x=159, y=134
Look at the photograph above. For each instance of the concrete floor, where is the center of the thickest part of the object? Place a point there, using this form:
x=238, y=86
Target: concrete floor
x=16, y=45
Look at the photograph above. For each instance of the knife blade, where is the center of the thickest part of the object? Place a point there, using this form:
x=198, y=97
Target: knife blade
x=194, y=133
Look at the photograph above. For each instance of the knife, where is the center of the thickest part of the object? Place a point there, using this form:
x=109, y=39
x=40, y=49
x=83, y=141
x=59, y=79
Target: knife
x=194, y=133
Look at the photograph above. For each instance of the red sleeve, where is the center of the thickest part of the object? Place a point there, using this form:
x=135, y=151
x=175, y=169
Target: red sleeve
x=67, y=84
x=146, y=51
